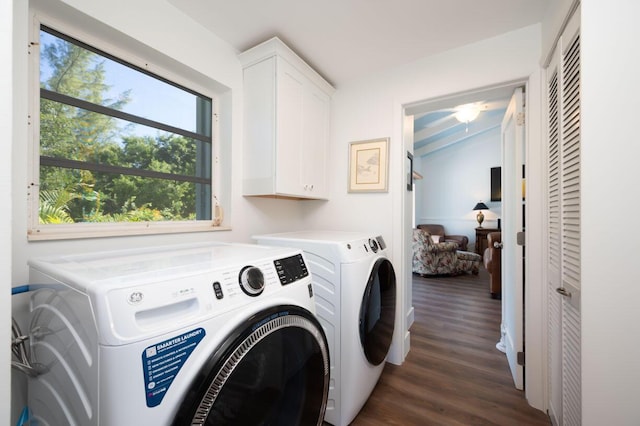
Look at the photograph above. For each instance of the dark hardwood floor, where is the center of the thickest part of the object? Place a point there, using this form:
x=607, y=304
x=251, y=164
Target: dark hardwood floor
x=453, y=374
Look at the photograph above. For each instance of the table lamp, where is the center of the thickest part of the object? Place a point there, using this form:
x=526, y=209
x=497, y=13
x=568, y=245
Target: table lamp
x=480, y=216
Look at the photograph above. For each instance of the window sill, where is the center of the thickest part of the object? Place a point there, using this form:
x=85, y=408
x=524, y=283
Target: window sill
x=92, y=230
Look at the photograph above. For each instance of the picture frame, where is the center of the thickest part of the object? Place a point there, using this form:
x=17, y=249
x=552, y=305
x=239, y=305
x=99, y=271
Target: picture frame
x=369, y=165
x=409, y=171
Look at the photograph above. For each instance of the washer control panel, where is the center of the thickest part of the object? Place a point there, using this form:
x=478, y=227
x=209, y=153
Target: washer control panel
x=291, y=269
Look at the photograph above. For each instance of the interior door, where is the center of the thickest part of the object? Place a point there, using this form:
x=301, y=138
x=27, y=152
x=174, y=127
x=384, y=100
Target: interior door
x=554, y=335
x=513, y=139
x=563, y=219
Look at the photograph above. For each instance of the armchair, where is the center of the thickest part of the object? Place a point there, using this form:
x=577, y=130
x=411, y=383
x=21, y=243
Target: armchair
x=493, y=263
x=461, y=240
x=430, y=258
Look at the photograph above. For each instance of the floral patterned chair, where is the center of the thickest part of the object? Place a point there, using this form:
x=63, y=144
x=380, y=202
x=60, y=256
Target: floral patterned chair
x=431, y=258
x=462, y=240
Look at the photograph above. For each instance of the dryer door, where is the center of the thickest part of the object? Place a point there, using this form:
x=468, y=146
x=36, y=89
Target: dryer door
x=273, y=370
x=378, y=311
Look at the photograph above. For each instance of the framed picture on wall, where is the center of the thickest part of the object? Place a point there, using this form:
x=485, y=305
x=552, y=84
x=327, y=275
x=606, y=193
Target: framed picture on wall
x=369, y=165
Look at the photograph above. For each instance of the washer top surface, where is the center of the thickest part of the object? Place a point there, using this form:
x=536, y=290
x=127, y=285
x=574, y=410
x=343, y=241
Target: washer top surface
x=122, y=267
x=326, y=237
x=342, y=246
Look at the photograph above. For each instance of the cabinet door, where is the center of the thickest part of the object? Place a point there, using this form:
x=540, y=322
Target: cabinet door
x=289, y=110
x=315, y=129
x=259, y=128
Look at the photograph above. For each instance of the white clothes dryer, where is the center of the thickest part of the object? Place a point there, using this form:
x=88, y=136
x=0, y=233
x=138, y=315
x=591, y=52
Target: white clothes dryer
x=355, y=293
x=197, y=334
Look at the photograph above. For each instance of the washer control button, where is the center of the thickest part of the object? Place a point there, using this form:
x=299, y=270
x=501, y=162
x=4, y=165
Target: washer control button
x=217, y=290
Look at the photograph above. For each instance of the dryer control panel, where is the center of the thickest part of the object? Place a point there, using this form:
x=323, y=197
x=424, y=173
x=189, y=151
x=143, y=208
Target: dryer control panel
x=291, y=269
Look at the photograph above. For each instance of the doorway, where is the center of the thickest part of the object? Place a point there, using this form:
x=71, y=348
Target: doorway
x=466, y=218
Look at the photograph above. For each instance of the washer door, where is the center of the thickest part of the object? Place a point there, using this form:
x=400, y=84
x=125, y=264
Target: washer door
x=378, y=312
x=273, y=370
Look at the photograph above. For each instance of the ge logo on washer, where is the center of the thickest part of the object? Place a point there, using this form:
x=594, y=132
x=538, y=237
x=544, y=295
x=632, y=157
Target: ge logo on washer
x=135, y=297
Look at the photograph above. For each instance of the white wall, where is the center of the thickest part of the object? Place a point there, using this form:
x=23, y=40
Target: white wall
x=372, y=106
x=610, y=175
x=455, y=179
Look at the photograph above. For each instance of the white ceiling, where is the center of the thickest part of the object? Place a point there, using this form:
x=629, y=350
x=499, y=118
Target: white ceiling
x=345, y=39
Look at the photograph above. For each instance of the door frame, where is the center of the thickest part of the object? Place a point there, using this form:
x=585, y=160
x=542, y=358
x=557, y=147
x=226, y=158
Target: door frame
x=535, y=266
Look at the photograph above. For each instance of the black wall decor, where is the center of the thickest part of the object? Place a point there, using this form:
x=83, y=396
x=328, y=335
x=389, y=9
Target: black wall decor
x=496, y=184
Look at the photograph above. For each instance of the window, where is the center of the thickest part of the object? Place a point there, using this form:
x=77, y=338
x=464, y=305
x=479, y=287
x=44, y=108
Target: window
x=117, y=144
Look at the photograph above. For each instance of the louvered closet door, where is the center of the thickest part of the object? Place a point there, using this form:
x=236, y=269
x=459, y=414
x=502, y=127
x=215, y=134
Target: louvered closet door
x=553, y=226
x=563, y=99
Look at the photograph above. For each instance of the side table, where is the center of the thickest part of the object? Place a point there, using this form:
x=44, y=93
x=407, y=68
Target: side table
x=481, y=238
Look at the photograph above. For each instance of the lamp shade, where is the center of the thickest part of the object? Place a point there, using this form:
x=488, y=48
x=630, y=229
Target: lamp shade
x=481, y=206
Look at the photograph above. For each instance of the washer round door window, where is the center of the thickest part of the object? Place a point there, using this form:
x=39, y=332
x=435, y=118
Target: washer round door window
x=274, y=370
x=378, y=312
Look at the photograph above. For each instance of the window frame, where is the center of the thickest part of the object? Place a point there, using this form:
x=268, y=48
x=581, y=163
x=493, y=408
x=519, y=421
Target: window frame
x=106, y=41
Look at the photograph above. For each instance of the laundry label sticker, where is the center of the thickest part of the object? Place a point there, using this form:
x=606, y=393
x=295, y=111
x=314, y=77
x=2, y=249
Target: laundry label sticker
x=162, y=361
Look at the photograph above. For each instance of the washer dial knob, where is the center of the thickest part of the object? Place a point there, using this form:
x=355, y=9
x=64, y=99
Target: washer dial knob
x=251, y=280
x=373, y=244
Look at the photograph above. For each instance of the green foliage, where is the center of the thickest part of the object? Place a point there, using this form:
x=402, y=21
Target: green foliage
x=66, y=132
x=53, y=206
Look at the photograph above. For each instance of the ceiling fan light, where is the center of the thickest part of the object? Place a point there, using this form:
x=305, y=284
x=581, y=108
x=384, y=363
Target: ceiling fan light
x=467, y=113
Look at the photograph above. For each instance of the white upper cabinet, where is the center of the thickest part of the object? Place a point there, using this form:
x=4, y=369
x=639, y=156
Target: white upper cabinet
x=286, y=124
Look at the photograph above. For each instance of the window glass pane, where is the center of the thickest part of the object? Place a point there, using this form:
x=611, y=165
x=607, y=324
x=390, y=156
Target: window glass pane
x=72, y=70
x=72, y=195
x=101, y=157
x=99, y=139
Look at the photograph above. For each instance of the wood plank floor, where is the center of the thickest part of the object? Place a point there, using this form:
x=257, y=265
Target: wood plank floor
x=453, y=374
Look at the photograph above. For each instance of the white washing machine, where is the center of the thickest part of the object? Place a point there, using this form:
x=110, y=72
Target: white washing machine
x=215, y=334
x=355, y=293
